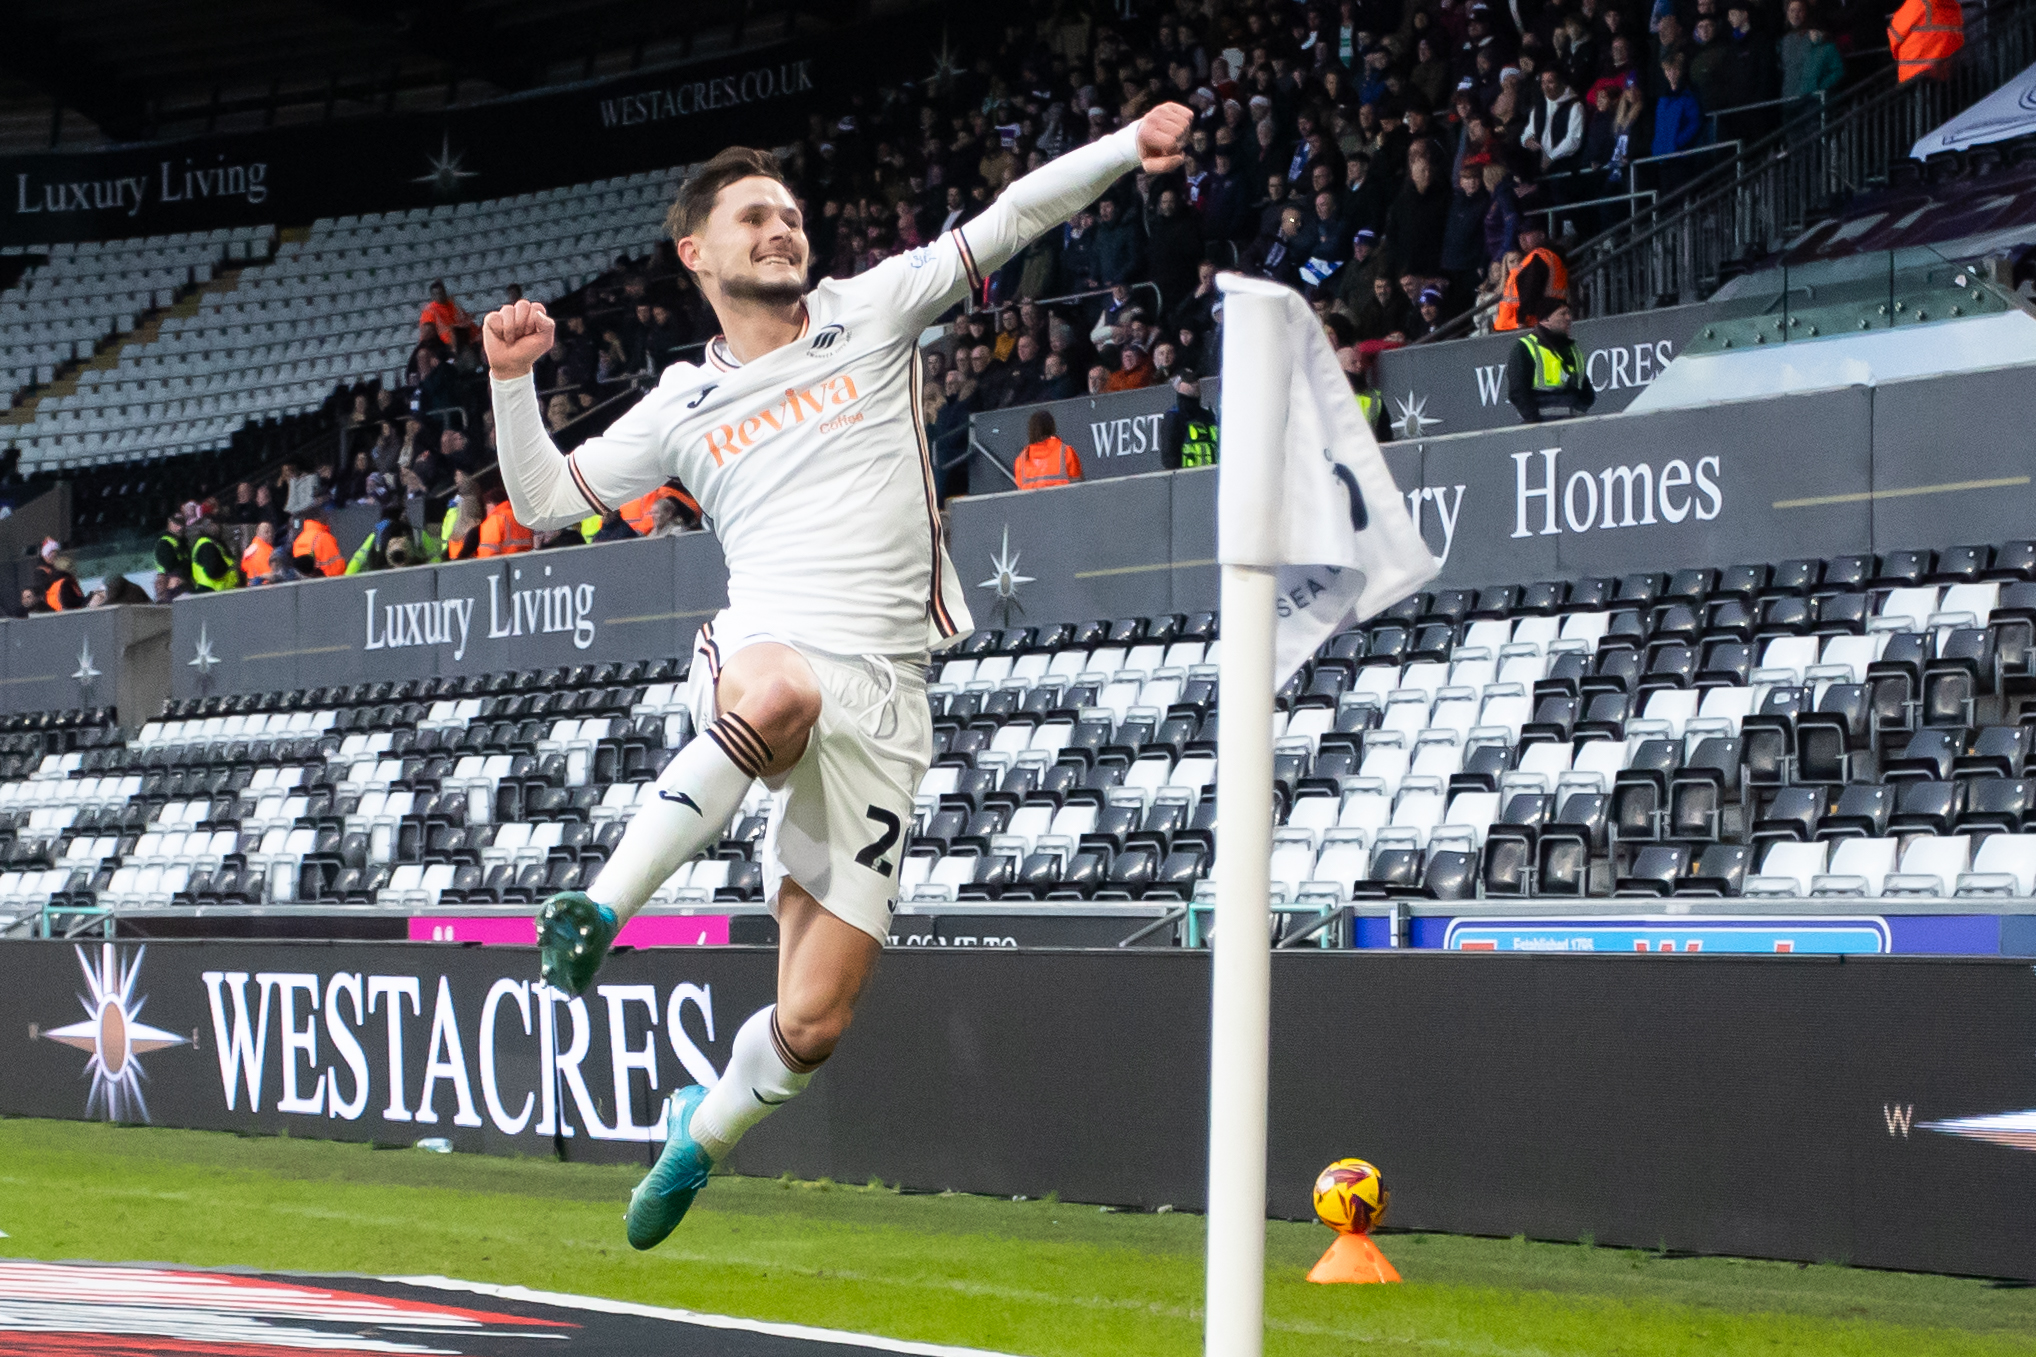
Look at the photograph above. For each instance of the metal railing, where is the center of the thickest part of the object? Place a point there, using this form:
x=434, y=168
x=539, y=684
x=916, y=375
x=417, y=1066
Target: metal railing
x=971, y=309
x=1774, y=186
x=1680, y=253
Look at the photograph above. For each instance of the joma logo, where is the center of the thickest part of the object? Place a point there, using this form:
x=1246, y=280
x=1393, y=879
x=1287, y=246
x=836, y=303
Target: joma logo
x=730, y=439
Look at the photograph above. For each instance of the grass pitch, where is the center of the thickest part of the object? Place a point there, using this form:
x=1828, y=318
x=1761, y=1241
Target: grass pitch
x=1043, y=1277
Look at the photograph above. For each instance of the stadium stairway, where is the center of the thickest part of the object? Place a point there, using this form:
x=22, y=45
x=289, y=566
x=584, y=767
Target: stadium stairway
x=1853, y=729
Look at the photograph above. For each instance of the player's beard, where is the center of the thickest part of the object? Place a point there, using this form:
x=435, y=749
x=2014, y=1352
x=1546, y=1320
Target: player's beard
x=763, y=291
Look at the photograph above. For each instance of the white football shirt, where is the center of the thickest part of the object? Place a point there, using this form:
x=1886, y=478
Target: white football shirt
x=812, y=463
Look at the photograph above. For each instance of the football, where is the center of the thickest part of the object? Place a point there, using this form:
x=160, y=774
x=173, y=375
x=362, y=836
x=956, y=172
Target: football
x=1350, y=1196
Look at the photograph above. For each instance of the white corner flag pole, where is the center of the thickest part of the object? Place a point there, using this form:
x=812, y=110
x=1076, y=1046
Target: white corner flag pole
x=1257, y=374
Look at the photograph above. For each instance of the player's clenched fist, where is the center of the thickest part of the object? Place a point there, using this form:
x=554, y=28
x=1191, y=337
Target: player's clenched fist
x=1161, y=134
x=515, y=338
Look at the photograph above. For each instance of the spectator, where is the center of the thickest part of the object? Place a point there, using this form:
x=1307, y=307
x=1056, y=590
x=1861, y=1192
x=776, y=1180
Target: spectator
x=1187, y=435
x=1463, y=256
x=1056, y=382
x=1533, y=289
x=1120, y=246
x=214, y=567
x=388, y=545
x=1176, y=249
x=243, y=511
x=1098, y=380
x=613, y=529
x=1278, y=256
x=1747, y=75
x=1678, y=121
x=1384, y=313
x=1417, y=221
x=442, y=318
x=1555, y=126
x=267, y=510
x=117, y=589
x=669, y=519
x=1046, y=460
x=301, y=489
x=315, y=551
x=172, y=554
x=258, y=560
x=459, y=531
x=1134, y=370
x=1545, y=376
x=56, y=586
x=1811, y=63
x=1427, y=314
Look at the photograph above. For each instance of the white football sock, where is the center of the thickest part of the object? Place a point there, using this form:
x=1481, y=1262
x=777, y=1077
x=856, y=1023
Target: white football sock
x=762, y=1075
x=700, y=789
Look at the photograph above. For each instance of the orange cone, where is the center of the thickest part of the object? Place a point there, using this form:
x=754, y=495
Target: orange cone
x=1353, y=1258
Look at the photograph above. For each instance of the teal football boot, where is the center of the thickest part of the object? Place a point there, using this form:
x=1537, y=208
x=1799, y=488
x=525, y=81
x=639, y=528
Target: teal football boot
x=573, y=937
x=662, y=1199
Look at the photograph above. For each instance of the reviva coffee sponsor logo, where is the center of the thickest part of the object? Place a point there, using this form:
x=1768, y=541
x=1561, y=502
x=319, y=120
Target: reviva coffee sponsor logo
x=1614, y=497
x=732, y=439
x=512, y=611
x=333, y=1046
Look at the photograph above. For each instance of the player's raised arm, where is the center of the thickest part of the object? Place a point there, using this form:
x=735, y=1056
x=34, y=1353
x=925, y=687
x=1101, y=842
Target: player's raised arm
x=925, y=282
x=545, y=489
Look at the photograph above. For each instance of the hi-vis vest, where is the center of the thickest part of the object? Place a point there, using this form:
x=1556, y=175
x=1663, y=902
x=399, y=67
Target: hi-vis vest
x=1198, y=444
x=178, y=552
x=54, y=595
x=1509, y=317
x=1924, y=35
x=1368, y=404
x=317, y=542
x=502, y=535
x=205, y=579
x=1555, y=378
x=1047, y=462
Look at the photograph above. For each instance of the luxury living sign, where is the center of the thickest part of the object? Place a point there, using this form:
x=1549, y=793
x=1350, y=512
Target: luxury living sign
x=512, y=612
x=174, y=181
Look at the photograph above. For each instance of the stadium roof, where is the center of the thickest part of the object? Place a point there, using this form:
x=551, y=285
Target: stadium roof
x=93, y=71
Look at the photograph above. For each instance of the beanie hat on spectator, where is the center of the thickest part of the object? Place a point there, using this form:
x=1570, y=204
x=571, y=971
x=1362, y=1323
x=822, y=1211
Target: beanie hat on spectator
x=50, y=547
x=1431, y=297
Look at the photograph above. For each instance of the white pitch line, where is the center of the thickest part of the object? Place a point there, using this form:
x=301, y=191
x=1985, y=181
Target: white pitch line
x=623, y=1307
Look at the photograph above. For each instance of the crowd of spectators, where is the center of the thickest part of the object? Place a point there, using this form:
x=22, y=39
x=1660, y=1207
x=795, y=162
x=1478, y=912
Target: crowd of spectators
x=1382, y=156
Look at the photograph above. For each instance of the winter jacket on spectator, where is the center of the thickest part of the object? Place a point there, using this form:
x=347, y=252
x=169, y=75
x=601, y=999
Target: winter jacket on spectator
x=1222, y=206
x=1810, y=65
x=1364, y=200
x=1120, y=249
x=1039, y=266
x=1502, y=219
x=1415, y=224
x=1277, y=256
x=1463, y=235
x=1176, y=249
x=1558, y=125
x=1677, y=122
x=1079, y=269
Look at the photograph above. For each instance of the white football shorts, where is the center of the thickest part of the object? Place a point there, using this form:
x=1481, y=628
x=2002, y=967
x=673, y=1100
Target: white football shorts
x=840, y=817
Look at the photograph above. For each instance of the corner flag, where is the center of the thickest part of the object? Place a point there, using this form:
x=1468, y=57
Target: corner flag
x=1336, y=526
x=1311, y=535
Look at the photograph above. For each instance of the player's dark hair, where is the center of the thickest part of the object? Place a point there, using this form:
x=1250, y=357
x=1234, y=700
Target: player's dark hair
x=698, y=194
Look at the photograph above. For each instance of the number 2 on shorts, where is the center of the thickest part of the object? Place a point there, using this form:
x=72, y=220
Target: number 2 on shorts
x=868, y=856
